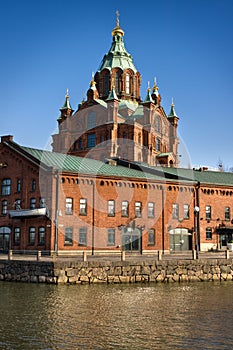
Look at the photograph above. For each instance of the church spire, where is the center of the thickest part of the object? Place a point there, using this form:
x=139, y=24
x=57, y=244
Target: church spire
x=148, y=98
x=66, y=110
x=66, y=103
x=172, y=111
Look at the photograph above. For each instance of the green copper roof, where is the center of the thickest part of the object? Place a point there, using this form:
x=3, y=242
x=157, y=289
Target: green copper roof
x=203, y=176
x=74, y=164
x=148, y=97
x=117, y=55
x=172, y=111
x=128, y=104
x=139, y=112
x=67, y=103
x=112, y=95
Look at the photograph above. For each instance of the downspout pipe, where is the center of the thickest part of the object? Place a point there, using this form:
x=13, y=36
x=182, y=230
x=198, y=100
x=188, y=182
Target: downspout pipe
x=197, y=216
x=163, y=223
x=56, y=212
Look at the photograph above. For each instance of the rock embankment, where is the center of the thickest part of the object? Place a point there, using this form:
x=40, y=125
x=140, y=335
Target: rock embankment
x=117, y=272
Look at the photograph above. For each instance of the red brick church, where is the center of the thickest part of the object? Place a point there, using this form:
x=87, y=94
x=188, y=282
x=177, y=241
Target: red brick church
x=113, y=121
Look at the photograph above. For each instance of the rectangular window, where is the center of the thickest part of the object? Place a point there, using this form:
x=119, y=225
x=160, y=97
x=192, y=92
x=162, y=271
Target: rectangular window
x=82, y=238
x=41, y=235
x=175, y=211
x=111, y=236
x=125, y=208
x=16, y=236
x=208, y=212
x=157, y=144
x=83, y=206
x=18, y=185
x=42, y=203
x=32, y=236
x=17, y=204
x=91, y=120
x=138, y=209
x=227, y=214
x=186, y=211
x=151, y=210
x=111, y=208
x=33, y=185
x=91, y=140
x=208, y=233
x=68, y=240
x=151, y=236
x=4, y=207
x=6, y=187
x=69, y=206
x=32, y=203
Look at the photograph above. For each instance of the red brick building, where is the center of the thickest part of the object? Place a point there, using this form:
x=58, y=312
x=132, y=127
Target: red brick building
x=56, y=202
x=114, y=121
x=112, y=182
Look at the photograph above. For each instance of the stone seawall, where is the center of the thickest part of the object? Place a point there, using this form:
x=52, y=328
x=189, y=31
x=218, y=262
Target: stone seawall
x=117, y=272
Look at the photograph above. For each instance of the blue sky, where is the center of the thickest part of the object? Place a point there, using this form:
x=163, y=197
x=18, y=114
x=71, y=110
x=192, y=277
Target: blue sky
x=50, y=45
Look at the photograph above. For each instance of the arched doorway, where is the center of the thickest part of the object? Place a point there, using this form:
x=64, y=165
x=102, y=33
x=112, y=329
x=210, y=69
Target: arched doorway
x=5, y=233
x=180, y=240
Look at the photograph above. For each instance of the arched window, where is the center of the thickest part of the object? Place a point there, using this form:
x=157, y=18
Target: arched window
x=106, y=83
x=157, y=124
x=127, y=83
x=117, y=82
x=158, y=144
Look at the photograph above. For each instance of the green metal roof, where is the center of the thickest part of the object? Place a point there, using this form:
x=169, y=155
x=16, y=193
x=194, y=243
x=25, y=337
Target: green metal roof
x=148, y=97
x=117, y=55
x=172, y=111
x=128, y=104
x=203, y=176
x=192, y=175
x=139, y=112
x=74, y=164
x=112, y=95
x=67, y=104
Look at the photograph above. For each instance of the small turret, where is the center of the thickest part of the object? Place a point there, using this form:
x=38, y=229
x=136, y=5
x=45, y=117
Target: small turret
x=155, y=93
x=148, y=99
x=172, y=113
x=66, y=110
x=92, y=93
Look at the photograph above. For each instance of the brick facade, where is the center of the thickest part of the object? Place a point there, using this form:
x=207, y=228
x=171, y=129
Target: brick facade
x=101, y=213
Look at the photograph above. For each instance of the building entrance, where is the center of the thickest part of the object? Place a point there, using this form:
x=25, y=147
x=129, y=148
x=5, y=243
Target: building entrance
x=4, y=239
x=131, y=239
x=180, y=240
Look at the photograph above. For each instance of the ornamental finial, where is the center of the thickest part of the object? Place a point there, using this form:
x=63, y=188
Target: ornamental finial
x=155, y=87
x=117, y=18
x=67, y=93
x=148, y=86
x=92, y=79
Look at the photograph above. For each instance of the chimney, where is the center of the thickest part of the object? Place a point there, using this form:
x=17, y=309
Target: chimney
x=6, y=138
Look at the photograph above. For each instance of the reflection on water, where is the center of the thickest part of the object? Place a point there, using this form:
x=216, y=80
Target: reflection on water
x=158, y=316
